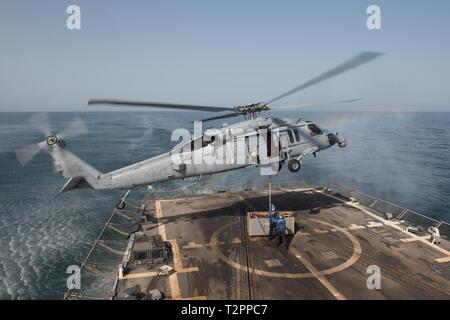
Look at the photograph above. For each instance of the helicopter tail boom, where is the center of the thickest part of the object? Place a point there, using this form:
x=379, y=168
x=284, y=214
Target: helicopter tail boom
x=79, y=173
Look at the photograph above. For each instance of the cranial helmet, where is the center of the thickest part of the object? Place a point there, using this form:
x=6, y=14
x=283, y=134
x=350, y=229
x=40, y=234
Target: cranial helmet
x=272, y=207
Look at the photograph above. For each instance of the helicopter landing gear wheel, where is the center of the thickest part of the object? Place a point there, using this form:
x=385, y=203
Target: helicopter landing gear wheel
x=120, y=205
x=294, y=165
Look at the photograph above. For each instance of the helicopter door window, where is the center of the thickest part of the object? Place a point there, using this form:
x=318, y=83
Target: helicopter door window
x=315, y=130
x=291, y=137
x=297, y=135
x=206, y=142
x=197, y=144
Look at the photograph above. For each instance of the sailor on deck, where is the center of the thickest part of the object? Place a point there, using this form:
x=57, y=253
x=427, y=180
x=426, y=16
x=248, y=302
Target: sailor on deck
x=280, y=225
x=272, y=220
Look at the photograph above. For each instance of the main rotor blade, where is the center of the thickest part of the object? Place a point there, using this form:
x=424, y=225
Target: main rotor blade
x=40, y=122
x=158, y=105
x=228, y=115
x=75, y=128
x=356, y=61
x=314, y=104
x=27, y=153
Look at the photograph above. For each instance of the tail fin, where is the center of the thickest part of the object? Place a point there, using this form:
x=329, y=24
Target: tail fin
x=79, y=173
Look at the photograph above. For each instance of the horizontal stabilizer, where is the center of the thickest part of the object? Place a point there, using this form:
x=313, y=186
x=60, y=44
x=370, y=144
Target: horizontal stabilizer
x=76, y=183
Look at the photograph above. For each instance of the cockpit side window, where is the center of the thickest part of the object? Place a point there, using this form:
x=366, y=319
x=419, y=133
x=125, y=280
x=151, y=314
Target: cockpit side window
x=315, y=130
x=291, y=137
x=296, y=134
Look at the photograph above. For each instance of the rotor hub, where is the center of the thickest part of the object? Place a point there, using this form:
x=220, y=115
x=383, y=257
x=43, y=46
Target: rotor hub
x=52, y=140
x=252, y=110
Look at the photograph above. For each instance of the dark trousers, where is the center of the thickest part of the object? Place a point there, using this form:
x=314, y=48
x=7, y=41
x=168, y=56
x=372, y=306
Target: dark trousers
x=281, y=239
x=272, y=230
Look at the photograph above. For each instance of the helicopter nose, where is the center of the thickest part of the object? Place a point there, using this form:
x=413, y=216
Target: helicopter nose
x=332, y=139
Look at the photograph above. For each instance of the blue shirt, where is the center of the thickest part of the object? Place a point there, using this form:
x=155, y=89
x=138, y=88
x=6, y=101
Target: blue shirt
x=281, y=224
x=272, y=216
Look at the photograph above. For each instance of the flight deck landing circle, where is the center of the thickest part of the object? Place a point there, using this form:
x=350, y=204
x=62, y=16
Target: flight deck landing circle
x=350, y=261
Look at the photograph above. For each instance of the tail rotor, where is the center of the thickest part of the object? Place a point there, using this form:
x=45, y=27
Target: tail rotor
x=26, y=154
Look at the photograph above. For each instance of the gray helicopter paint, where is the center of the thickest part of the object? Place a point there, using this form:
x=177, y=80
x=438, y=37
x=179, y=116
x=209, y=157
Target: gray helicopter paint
x=161, y=168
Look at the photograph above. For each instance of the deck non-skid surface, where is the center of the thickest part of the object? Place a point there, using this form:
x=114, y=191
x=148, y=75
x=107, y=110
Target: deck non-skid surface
x=328, y=257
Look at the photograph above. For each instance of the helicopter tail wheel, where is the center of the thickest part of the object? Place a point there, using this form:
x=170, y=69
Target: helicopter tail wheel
x=120, y=205
x=294, y=165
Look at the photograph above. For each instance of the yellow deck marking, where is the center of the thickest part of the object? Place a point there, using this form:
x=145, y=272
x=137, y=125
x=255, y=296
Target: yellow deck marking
x=159, y=215
x=350, y=261
x=173, y=278
x=195, y=298
x=193, y=245
x=372, y=224
x=327, y=284
x=321, y=231
x=138, y=275
x=442, y=260
x=415, y=239
x=182, y=199
x=356, y=227
x=176, y=255
x=153, y=274
x=174, y=285
x=175, y=292
x=235, y=240
x=393, y=225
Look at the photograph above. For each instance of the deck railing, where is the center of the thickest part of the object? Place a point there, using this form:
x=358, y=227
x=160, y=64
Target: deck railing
x=385, y=208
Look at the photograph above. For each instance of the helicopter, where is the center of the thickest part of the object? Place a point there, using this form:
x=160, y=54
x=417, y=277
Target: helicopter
x=268, y=142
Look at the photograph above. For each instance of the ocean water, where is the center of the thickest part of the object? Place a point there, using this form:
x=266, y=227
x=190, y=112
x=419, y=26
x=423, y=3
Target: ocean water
x=400, y=157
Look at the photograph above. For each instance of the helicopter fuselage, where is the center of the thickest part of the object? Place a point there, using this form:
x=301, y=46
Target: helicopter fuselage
x=255, y=142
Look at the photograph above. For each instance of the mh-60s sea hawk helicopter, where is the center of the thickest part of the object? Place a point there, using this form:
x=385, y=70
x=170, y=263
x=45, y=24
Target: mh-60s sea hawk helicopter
x=277, y=141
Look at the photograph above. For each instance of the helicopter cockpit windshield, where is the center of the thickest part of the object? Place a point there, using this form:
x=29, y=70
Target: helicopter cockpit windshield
x=314, y=130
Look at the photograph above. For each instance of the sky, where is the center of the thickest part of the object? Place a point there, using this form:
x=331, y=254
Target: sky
x=222, y=53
